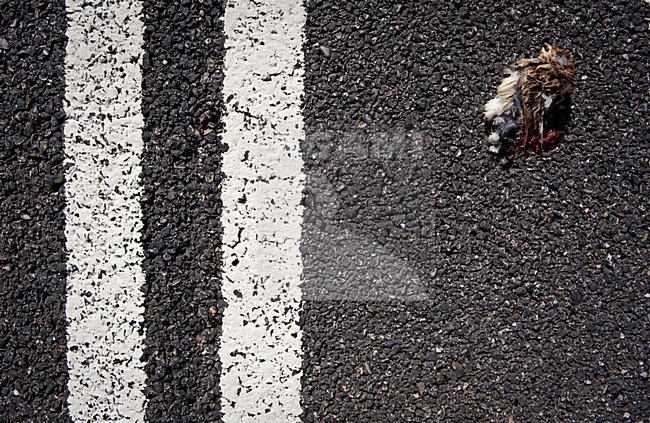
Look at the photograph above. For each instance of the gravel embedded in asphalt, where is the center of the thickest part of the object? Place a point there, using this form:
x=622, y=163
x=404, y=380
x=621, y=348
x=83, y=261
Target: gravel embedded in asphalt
x=182, y=74
x=524, y=282
x=33, y=371
x=440, y=284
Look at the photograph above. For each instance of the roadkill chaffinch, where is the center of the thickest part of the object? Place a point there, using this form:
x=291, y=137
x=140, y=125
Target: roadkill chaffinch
x=533, y=103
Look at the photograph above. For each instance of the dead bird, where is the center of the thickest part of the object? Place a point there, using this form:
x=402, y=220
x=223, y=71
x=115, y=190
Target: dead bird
x=533, y=103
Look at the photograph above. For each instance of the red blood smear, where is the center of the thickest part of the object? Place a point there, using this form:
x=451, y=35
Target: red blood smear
x=537, y=144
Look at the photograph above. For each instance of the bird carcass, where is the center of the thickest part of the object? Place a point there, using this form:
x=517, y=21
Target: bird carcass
x=533, y=103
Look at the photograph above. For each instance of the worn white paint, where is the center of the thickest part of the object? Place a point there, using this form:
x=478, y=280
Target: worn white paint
x=103, y=218
x=262, y=215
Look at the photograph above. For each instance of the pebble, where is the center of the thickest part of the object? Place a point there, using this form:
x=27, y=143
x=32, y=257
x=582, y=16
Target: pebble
x=325, y=51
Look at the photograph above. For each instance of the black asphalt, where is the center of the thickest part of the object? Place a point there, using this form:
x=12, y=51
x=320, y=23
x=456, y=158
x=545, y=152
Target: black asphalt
x=525, y=290
x=440, y=283
x=182, y=79
x=33, y=372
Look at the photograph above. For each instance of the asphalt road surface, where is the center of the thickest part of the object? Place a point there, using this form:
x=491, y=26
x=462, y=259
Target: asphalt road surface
x=274, y=211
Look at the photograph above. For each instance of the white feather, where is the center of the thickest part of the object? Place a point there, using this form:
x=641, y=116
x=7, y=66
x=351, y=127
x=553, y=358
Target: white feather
x=494, y=108
x=508, y=86
x=505, y=96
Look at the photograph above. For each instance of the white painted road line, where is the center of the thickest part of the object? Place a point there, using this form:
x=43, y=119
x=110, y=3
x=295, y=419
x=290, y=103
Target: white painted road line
x=103, y=218
x=262, y=215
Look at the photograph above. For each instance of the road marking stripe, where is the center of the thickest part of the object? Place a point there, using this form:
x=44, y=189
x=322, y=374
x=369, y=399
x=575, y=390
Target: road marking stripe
x=262, y=215
x=103, y=144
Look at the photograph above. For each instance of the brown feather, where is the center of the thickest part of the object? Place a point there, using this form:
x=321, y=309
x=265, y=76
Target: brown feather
x=550, y=75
